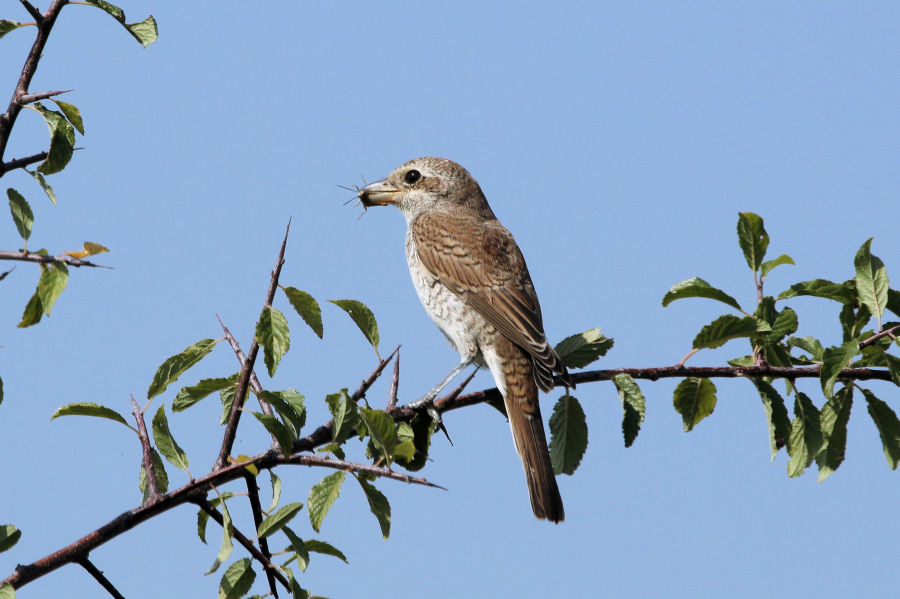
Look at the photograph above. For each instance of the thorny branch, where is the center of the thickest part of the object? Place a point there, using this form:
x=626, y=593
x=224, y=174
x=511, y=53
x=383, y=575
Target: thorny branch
x=42, y=259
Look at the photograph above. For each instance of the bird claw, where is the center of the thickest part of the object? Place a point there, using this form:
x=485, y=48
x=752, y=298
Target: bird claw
x=426, y=404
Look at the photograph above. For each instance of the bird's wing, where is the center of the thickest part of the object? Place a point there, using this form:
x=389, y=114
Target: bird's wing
x=481, y=263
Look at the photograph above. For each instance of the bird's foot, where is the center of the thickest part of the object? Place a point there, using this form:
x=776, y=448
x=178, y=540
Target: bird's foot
x=426, y=404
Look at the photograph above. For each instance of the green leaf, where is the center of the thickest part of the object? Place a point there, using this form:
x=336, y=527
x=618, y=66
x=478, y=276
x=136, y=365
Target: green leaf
x=289, y=405
x=344, y=413
x=363, y=318
x=893, y=302
x=893, y=364
x=188, y=396
x=810, y=345
x=276, y=490
x=54, y=278
x=322, y=496
x=888, y=427
x=871, y=281
x=726, y=328
x=144, y=31
x=166, y=443
x=307, y=307
x=9, y=536
x=7, y=591
x=203, y=517
x=72, y=114
x=21, y=213
x=785, y=324
x=421, y=430
x=833, y=419
x=175, y=366
x=752, y=238
x=378, y=504
x=62, y=140
x=282, y=433
x=86, y=408
x=834, y=360
x=298, y=547
x=317, y=546
x=382, y=429
x=768, y=265
x=577, y=351
x=776, y=415
x=272, y=333
x=806, y=435
x=226, y=396
x=162, y=479
x=694, y=399
x=33, y=312
x=227, y=544
x=697, y=287
x=6, y=26
x=568, y=435
x=633, y=406
x=276, y=521
x=839, y=292
x=237, y=580
x=43, y=183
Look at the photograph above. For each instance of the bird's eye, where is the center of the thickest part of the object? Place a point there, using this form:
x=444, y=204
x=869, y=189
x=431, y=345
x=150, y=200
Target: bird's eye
x=412, y=176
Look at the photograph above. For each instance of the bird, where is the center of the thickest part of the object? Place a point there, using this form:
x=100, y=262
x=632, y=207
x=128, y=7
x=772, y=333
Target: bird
x=471, y=277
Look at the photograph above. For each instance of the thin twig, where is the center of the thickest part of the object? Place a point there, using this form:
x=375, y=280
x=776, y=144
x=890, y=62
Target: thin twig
x=244, y=541
x=99, y=577
x=66, y=259
x=15, y=163
x=395, y=384
x=244, y=380
x=29, y=98
x=153, y=490
x=370, y=380
x=34, y=12
x=256, y=508
x=314, y=460
x=885, y=333
x=254, y=381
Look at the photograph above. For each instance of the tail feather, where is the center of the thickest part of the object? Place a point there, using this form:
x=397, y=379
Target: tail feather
x=524, y=412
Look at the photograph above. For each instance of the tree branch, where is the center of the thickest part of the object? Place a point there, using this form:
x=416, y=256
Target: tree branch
x=147, y=451
x=15, y=163
x=99, y=577
x=42, y=259
x=256, y=508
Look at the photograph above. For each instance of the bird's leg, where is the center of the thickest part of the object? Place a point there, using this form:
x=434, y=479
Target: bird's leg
x=427, y=400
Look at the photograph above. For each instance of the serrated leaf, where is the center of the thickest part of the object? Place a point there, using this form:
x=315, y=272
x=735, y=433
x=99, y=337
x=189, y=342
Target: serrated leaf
x=577, y=351
x=806, y=435
x=111, y=9
x=190, y=395
x=785, y=324
x=810, y=345
x=237, y=579
x=853, y=321
x=21, y=213
x=694, y=399
x=322, y=496
x=9, y=536
x=421, y=429
x=88, y=248
x=871, y=281
x=273, y=334
x=752, y=238
x=169, y=371
x=298, y=547
x=276, y=490
x=726, y=328
x=893, y=301
x=776, y=415
x=276, y=521
x=893, y=364
x=888, y=425
x=697, y=287
x=382, y=430
x=289, y=405
x=86, y=408
x=145, y=32
x=166, y=443
x=307, y=307
x=379, y=506
x=227, y=396
x=7, y=25
x=227, y=544
x=162, y=478
x=72, y=114
x=839, y=292
x=62, y=140
x=317, y=546
x=54, y=278
x=363, y=318
x=568, y=435
x=33, y=312
x=833, y=419
x=282, y=433
x=633, y=406
x=768, y=265
x=834, y=360
x=344, y=413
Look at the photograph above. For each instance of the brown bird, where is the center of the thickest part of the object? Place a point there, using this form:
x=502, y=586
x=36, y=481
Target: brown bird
x=472, y=279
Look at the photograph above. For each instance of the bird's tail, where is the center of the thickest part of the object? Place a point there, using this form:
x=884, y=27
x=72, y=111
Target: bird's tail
x=524, y=412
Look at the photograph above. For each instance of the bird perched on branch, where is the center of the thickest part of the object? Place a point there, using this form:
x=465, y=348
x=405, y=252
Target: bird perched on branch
x=472, y=279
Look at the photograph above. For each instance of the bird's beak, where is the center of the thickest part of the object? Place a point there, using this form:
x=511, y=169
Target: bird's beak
x=379, y=193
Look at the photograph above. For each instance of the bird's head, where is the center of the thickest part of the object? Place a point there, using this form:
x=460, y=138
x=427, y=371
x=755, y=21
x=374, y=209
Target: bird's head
x=427, y=183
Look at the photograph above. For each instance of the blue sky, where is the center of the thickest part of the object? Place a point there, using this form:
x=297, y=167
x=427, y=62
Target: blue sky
x=617, y=141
